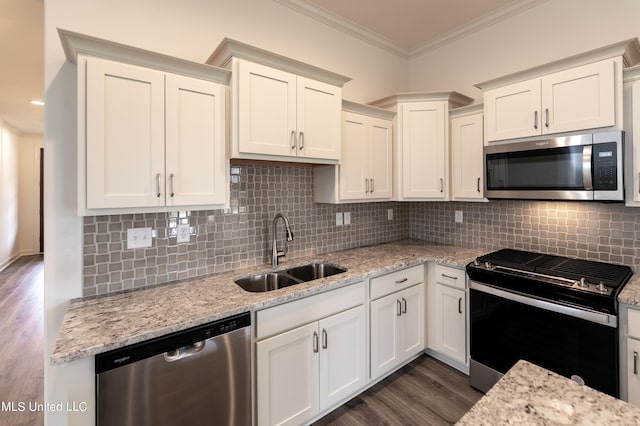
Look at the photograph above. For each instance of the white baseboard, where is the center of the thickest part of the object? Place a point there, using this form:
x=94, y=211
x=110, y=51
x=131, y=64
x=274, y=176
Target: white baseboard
x=4, y=265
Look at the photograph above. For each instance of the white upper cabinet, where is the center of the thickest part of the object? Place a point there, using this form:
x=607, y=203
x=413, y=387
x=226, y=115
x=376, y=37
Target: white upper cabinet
x=365, y=170
x=467, y=141
x=151, y=129
x=421, y=146
x=575, y=99
x=632, y=136
x=282, y=109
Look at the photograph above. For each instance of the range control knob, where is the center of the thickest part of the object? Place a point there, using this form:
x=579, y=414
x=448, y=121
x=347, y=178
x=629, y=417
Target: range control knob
x=476, y=262
x=488, y=265
x=583, y=283
x=602, y=287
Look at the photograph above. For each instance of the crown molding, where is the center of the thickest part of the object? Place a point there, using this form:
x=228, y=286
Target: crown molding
x=331, y=19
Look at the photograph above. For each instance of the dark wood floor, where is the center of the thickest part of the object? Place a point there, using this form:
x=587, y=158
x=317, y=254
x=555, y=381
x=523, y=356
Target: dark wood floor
x=425, y=392
x=22, y=340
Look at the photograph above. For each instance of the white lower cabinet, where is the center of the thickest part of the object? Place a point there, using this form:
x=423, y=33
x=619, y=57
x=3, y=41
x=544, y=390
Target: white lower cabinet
x=630, y=349
x=633, y=372
x=447, y=318
x=397, y=319
x=304, y=371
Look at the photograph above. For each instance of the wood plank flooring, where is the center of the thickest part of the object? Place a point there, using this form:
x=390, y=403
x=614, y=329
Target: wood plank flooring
x=22, y=340
x=424, y=392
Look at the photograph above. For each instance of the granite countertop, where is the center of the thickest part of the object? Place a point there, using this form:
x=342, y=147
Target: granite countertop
x=532, y=395
x=630, y=294
x=97, y=325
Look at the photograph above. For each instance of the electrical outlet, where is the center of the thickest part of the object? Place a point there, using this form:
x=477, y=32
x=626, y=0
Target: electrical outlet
x=182, y=233
x=339, y=221
x=389, y=214
x=458, y=216
x=139, y=238
x=347, y=218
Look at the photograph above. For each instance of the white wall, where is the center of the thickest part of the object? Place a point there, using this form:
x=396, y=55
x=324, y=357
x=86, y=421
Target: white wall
x=550, y=31
x=9, y=241
x=29, y=187
x=189, y=29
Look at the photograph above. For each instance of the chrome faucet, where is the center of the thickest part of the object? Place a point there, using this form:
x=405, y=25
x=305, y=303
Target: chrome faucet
x=275, y=253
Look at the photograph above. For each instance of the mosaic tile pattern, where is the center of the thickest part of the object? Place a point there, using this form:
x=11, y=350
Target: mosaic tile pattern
x=238, y=238
x=594, y=231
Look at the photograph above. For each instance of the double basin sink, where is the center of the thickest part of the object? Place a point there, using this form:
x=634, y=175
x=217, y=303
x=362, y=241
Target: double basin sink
x=269, y=281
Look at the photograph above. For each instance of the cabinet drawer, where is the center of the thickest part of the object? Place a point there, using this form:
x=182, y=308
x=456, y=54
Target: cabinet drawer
x=634, y=323
x=299, y=312
x=386, y=284
x=450, y=276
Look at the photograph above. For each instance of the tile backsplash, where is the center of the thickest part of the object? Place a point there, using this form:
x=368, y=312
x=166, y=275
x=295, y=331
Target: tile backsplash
x=241, y=237
x=237, y=238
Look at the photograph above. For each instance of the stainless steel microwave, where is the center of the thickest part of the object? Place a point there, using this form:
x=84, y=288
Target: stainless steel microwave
x=579, y=167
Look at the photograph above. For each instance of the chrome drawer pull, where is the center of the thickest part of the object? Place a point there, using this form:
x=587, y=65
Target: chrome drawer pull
x=404, y=305
x=460, y=305
x=450, y=277
x=399, y=305
x=315, y=342
x=635, y=362
x=324, y=339
x=402, y=280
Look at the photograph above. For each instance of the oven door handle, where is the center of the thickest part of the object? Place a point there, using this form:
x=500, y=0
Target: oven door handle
x=597, y=317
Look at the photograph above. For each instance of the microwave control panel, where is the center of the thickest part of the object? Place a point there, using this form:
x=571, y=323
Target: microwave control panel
x=605, y=167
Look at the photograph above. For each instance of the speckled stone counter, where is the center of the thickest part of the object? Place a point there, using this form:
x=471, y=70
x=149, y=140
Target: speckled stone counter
x=531, y=395
x=101, y=324
x=630, y=294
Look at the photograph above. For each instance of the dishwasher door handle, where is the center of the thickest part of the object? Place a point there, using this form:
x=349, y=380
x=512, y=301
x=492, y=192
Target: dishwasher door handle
x=184, y=351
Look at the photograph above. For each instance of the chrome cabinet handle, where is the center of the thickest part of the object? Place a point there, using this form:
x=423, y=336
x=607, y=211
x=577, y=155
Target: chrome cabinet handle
x=324, y=339
x=638, y=183
x=294, y=141
x=441, y=185
x=373, y=188
x=301, y=141
x=460, y=305
x=315, y=342
x=173, y=184
x=450, y=277
x=366, y=186
x=158, y=182
x=478, y=184
x=404, y=305
x=535, y=119
x=546, y=118
x=399, y=306
x=635, y=362
x=400, y=281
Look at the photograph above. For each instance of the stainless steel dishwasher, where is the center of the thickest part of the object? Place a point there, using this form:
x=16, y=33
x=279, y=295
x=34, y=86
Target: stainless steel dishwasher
x=200, y=376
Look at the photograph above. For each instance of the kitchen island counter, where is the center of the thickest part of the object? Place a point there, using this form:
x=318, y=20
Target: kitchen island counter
x=532, y=395
x=99, y=324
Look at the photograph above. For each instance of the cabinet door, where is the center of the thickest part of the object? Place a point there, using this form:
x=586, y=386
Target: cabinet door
x=385, y=314
x=266, y=110
x=579, y=98
x=633, y=371
x=450, y=317
x=424, y=151
x=412, y=321
x=381, y=159
x=513, y=111
x=342, y=356
x=467, y=139
x=318, y=120
x=124, y=135
x=288, y=377
x=354, y=165
x=195, y=142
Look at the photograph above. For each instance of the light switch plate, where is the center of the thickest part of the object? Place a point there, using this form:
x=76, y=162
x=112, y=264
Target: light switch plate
x=347, y=218
x=138, y=238
x=339, y=219
x=458, y=216
x=389, y=214
x=182, y=233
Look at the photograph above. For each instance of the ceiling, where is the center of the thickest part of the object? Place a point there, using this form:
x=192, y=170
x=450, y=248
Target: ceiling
x=22, y=71
x=405, y=27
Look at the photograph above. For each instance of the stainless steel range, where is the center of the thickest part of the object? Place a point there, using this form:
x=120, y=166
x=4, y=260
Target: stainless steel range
x=557, y=312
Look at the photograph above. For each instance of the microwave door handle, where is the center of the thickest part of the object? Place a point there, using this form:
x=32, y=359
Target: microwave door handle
x=586, y=167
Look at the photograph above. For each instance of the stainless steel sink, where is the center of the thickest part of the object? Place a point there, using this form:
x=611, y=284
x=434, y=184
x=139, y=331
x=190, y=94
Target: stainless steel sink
x=269, y=281
x=314, y=271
